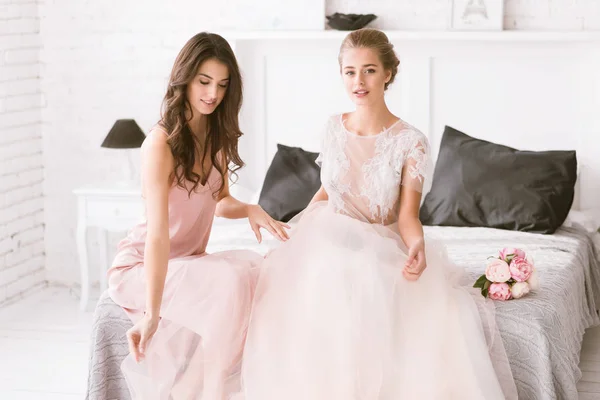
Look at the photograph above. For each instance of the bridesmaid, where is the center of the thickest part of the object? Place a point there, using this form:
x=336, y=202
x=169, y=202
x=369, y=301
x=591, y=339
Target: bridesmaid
x=190, y=309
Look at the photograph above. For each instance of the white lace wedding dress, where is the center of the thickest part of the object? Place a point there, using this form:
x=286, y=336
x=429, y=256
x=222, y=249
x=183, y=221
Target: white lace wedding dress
x=334, y=318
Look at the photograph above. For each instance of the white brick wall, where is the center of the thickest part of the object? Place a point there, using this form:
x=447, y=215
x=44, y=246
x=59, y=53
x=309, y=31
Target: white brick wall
x=21, y=172
x=104, y=60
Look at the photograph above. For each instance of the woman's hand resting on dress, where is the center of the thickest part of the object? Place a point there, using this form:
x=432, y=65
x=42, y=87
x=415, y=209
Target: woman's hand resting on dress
x=139, y=335
x=415, y=264
x=259, y=218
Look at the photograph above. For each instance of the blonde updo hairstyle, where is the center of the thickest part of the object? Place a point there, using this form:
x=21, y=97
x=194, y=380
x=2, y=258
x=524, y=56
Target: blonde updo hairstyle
x=376, y=40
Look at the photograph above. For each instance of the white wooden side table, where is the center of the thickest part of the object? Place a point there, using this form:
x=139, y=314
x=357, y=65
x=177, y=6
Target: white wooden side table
x=111, y=208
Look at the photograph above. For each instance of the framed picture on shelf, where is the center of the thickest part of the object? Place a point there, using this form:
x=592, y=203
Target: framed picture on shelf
x=477, y=15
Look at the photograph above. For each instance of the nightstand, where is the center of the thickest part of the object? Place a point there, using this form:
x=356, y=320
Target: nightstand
x=112, y=208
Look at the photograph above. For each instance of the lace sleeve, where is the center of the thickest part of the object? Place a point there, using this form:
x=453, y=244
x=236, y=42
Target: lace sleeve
x=417, y=162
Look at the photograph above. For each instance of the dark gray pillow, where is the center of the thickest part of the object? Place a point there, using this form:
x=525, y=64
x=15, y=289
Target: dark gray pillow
x=290, y=183
x=479, y=183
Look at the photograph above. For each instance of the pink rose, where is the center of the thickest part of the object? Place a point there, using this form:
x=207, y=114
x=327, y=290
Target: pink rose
x=499, y=291
x=507, y=251
x=497, y=271
x=519, y=289
x=520, y=269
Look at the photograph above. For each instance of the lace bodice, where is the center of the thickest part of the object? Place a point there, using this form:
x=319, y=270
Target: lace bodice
x=363, y=174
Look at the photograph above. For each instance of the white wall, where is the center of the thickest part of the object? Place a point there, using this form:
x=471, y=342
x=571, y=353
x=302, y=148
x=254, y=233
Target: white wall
x=433, y=14
x=105, y=60
x=21, y=171
x=102, y=60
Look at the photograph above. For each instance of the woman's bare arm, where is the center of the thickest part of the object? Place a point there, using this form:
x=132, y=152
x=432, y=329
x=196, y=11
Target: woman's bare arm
x=157, y=167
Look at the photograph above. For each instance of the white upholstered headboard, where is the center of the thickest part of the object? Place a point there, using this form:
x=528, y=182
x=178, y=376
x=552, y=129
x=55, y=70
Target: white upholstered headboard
x=528, y=90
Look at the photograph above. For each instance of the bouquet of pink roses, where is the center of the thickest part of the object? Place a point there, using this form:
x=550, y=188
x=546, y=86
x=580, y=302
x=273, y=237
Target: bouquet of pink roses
x=511, y=275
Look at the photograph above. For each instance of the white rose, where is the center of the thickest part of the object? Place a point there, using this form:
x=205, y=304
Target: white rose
x=519, y=289
x=497, y=271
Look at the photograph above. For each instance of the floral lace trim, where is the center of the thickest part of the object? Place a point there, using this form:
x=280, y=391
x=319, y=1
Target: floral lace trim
x=382, y=172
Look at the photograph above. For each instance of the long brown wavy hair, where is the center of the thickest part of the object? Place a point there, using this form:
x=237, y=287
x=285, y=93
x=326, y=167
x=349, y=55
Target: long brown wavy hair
x=223, y=126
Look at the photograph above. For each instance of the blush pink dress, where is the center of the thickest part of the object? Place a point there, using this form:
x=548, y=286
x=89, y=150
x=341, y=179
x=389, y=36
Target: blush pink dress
x=196, y=351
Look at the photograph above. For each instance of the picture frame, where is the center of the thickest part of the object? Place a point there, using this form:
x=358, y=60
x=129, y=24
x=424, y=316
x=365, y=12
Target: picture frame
x=476, y=15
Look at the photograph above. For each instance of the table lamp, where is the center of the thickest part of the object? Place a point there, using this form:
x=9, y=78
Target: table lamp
x=125, y=134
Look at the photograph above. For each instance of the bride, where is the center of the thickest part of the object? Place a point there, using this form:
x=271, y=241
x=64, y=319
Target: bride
x=357, y=304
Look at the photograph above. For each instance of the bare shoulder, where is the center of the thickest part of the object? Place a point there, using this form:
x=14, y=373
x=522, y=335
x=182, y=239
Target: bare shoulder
x=156, y=147
x=156, y=138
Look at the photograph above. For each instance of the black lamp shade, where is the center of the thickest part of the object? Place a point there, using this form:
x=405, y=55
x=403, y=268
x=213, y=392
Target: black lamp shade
x=125, y=134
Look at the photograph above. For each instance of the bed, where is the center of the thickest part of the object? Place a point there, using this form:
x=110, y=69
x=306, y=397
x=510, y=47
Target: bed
x=542, y=332
x=441, y=82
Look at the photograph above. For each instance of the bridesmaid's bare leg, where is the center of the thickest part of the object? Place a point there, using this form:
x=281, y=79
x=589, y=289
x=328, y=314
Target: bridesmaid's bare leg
x=220, y=350
x=188, y=385
x=219, y=363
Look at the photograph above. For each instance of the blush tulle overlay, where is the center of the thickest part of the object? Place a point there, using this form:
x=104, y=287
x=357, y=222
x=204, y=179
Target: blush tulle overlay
x=333, y=316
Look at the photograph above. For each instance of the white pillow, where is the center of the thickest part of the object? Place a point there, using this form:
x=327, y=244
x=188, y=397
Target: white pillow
x=244, y=194
x=577, y=189
x=587, y=219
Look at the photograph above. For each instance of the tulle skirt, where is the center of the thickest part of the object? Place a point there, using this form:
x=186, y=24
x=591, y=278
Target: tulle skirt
x=197, y=348
x=334, y=318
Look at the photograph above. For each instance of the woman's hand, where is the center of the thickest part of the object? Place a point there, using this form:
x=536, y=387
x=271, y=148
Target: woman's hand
x=139, y=335
x=415, y=264
x=258, y=218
